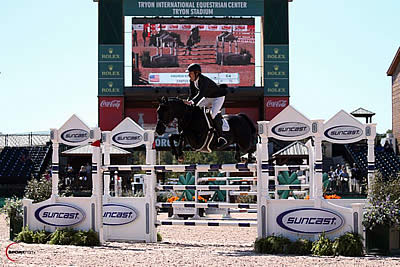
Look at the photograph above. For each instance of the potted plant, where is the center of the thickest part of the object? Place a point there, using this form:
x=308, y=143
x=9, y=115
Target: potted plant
x=381, y=214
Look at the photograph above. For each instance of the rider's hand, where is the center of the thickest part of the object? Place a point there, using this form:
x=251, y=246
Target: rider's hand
x=188, y=102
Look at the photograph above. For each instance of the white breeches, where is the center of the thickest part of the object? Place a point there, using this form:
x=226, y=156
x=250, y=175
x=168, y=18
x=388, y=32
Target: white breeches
x=214, y=103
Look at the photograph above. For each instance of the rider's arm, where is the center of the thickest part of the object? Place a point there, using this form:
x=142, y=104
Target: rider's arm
x=192, y=91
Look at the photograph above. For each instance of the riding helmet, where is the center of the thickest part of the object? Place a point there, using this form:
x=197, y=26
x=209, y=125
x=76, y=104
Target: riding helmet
x=193, y=67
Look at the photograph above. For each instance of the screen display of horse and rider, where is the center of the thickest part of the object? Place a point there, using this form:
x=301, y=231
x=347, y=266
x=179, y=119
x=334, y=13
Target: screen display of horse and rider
x=162, y=49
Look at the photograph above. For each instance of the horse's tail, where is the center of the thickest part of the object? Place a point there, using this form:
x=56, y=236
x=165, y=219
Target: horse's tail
x=253, y=129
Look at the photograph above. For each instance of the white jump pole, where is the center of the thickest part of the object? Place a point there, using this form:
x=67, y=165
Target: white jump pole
x=262, y=179
x=55, y=165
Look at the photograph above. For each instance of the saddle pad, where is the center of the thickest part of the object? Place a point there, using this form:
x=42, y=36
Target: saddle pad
x=225, y=125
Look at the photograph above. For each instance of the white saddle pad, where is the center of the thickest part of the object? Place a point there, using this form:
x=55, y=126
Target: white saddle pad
x=225, y=125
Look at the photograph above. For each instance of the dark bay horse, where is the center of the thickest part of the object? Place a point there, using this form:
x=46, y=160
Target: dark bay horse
x=195, y=129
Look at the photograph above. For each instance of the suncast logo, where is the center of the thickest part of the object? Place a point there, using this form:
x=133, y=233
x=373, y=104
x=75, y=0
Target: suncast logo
x=344, y=132
x=118, y=214
x=310, y=220
x=59, y=214
x=127, y=138
x=75, y=135
x=291, y=129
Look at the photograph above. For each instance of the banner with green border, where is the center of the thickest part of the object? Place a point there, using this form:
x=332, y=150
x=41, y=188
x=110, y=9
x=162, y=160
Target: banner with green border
x=194, y=8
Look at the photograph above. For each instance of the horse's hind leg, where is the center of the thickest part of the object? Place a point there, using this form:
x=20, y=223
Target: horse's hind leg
x=237, y=153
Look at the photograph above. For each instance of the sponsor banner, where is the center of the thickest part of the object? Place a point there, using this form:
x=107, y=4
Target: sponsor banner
x=127, y=138
x=75, y=135
x=274, y=105
x=343, y=132
x=276, y=87
x=59, y=214
x=310, y=220
x=276, y=70
x=111, y=70
x=111, y=111
x=291, y=129
x=276, y=53
x=194, y=8
x=118, y=214
x=111, y=53
x=183, y=78
x=110, y=87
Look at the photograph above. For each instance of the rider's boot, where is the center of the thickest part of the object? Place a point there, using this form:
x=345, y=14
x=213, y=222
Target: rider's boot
x=220, y=135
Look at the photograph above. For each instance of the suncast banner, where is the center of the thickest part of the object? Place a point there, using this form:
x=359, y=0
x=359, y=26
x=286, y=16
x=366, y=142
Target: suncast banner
x=59, y=214
x=310, y=220
x=118, y=214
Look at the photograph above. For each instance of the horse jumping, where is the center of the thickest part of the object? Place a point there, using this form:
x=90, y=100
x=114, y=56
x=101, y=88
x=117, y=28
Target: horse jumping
x=195, y=129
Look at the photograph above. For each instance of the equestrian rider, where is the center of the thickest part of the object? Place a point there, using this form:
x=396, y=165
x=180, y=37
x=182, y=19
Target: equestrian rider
x=204, y=92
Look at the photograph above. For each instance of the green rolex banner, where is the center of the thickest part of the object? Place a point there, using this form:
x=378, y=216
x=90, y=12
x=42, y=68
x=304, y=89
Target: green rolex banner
x=276, y=53
x=111, y=70
x=108, y=87
x=276, y=87
x=108, y=53
x=276, y=70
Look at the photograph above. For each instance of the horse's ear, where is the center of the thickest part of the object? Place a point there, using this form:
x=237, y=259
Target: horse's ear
x=162, y=99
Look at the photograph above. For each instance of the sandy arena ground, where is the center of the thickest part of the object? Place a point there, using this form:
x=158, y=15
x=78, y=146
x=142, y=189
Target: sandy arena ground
x=181, y=246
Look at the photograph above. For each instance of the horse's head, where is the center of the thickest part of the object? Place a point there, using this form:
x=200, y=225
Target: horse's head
x=167, y=111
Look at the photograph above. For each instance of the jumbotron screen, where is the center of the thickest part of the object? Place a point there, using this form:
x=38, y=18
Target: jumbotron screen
x=162, y=49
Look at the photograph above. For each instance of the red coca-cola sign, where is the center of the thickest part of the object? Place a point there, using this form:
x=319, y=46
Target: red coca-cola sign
x=111, y=112
x=116, y=103
x=274, y=105
x=277, y=103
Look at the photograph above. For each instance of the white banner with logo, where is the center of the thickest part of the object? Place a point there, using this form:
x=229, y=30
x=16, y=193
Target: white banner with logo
x=289, y=124
x=74, y=132
x=127, y=134
x=183, y=78
x=343, y=128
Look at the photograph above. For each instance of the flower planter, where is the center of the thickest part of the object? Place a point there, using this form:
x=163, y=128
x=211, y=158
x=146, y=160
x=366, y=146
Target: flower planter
x=377, y=240
x=15, y=227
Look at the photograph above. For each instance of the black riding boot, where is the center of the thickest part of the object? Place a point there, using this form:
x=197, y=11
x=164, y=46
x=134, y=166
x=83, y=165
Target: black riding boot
x=220, y=135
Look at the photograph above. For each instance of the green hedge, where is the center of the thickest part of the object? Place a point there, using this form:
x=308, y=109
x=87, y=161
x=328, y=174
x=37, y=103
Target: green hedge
x=348, y=244
x=65, y=236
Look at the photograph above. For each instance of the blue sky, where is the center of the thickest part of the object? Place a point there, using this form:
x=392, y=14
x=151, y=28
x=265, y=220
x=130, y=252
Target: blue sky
x=339, y=54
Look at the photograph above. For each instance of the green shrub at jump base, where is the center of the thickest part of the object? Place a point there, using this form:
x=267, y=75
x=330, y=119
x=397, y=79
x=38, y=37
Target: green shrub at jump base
x=65, y=236
x=348, y=244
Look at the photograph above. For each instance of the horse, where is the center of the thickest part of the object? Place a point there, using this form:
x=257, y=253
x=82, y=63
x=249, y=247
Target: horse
x=194, y=127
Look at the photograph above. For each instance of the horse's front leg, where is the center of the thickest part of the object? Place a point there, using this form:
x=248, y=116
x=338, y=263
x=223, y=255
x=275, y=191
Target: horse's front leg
x=172, y=138
x=181, y=143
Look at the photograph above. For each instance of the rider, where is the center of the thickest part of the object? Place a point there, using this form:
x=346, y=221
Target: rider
x=205, y=92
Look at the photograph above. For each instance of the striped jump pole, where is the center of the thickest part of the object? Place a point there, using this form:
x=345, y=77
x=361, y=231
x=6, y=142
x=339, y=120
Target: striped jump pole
x=231, y=179
x=206, y=205
x=243, y=210
x=250, y=193
x=207, y=223
x=239, y=167
x=207, y=187
x=289, y=187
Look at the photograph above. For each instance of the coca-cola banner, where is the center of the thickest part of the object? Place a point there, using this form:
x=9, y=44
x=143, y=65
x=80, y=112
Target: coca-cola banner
x=274, y=105
x=111, y=112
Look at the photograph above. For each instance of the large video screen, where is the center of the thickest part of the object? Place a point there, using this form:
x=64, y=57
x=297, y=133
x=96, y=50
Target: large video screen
x=162, y=49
